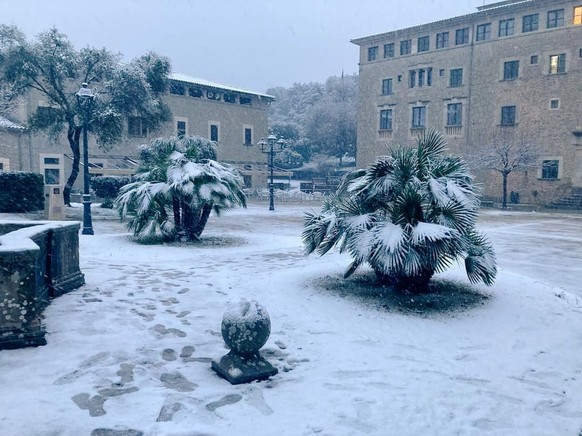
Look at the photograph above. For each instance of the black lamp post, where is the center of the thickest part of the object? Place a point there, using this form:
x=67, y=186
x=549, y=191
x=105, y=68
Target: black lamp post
x=85, y=99
x=268, y=147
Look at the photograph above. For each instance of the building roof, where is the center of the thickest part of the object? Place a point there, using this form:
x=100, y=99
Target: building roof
x=5, y=123
x=202, y=82
x=484, y=10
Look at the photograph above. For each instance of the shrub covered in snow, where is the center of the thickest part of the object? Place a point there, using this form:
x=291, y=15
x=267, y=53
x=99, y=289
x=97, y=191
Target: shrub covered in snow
x=409, y=215
x=179, y=185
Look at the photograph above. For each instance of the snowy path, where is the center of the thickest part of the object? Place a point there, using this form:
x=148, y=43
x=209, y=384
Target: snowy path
x=131, y=349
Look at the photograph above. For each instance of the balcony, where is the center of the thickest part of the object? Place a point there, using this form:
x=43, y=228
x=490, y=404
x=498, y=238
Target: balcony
x=454, y=130
x=384, y=134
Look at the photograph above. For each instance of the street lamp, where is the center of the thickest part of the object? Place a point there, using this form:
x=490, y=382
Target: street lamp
x=268, y=147
x=85, y=99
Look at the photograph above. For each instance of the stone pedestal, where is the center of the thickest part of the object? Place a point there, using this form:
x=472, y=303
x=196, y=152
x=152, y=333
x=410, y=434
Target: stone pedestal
x=245, y=329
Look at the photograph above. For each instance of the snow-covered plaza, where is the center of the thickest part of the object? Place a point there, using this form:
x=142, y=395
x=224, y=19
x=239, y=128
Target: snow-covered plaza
x=130, y=352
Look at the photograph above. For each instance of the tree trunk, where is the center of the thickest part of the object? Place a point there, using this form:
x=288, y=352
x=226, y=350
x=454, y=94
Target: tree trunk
x=202, y=220
x=73, y=135
x=176, y=205
x=410, y=285
x=504, y=203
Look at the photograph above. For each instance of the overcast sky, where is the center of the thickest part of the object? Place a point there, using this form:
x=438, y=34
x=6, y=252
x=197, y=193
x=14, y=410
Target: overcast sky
x=252, y=44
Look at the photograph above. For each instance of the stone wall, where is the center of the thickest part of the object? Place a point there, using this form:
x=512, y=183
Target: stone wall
x=38, y=261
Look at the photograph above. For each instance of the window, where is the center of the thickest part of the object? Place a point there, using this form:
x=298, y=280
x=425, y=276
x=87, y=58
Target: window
x=423, y=43
x=246, y=101
x=510, y=70
x=555, y=103
x=580, y=53
x=456, y=77
x=389, y=50
x=462, y=36
x=230, y=98
x=555, y=18
x=372, y=53
x=454, y=114
x=558, y=63
x=418, y=117
x=411, y=78
x=420, y=77
x=442, y=72
x=136, y=127
x=577, y=15
x=507, y=115
x=194, y=91
x=530, y=23
x=248, y=135
x=442, y=40
x=52, y=167
x=181, y=128
x=506, y=27
x=550, y=169
x=386, y=119
x=386, y=86
x=405, y=47
x=484, y=32
x=214, y=132
x=533, y=59
x=177, y=88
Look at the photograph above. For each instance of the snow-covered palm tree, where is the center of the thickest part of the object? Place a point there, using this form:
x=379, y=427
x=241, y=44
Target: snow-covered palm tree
x=180, y=185
x=409, y=215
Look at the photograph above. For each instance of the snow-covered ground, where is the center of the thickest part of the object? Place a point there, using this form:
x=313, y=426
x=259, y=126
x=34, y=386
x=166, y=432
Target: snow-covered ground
x=131, y=349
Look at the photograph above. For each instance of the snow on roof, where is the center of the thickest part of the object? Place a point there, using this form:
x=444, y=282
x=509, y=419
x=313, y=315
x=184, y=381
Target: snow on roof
x=202, y=82
x=5, y=123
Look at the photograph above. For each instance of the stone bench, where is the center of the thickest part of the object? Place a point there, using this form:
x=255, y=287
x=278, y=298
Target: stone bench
x=39, y=260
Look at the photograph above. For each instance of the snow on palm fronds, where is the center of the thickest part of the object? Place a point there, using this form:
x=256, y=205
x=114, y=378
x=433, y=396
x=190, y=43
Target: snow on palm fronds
x=179, y=185
x=410, y=214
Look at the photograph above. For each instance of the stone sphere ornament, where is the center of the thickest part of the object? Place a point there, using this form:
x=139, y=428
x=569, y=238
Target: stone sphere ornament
x=245, y=329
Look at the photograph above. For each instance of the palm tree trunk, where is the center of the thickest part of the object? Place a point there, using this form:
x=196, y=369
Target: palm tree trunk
x=202, y=219
x=504, y=202
x=409, y=285
x=73, y=135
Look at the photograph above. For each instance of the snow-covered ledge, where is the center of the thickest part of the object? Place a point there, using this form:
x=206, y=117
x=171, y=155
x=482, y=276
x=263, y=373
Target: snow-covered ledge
x=39, y=260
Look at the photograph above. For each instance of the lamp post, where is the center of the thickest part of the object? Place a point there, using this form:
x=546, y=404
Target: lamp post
x=85, y=99
x=268, y=147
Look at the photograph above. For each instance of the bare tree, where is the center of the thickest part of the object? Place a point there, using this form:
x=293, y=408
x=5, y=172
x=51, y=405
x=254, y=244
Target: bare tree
x=506, y=152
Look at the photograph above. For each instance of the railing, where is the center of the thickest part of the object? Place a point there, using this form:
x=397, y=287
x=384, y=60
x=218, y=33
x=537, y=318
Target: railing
x=454, y=130
x=384, y=134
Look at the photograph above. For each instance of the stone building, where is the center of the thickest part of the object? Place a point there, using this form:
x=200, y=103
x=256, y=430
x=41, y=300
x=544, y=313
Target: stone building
x=511, y=71
x=236, y=119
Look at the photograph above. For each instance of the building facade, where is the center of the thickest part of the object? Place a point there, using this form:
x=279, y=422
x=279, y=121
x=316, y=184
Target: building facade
x=512, y=71
x=235, y=119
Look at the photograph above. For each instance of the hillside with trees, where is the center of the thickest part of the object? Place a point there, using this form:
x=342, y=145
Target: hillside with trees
x=317, y=120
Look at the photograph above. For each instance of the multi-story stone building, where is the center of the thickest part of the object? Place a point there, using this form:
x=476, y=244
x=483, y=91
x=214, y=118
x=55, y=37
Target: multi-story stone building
x=235, y=119
x=511, y=70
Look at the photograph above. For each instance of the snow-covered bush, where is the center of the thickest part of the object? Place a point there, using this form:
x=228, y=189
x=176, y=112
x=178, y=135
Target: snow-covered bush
x=179, y=185
x=409, y=215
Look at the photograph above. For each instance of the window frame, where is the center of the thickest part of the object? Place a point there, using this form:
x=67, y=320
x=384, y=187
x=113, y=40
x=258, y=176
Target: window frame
x=442, y=40
x=530, y=23
x=387, y=86
x=462, y=36
x=405, y=47
x=508, y=115
x=577, y=15
x=506, y=27
x=211, y=125
x=373, y=53
x=483, y=32
x=423, y=44
x=245, y=128
x=454, y=114
x=557, y=20
x=389, y=50
x=555, y=167
x=457, y=73
x=558, y=67
x=418, y=117
x=178, y=120
x=386, y=119
x=511, y=70
x=142, y=129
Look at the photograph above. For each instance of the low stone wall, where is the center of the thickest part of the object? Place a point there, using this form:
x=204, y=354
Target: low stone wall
x=38, y=261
